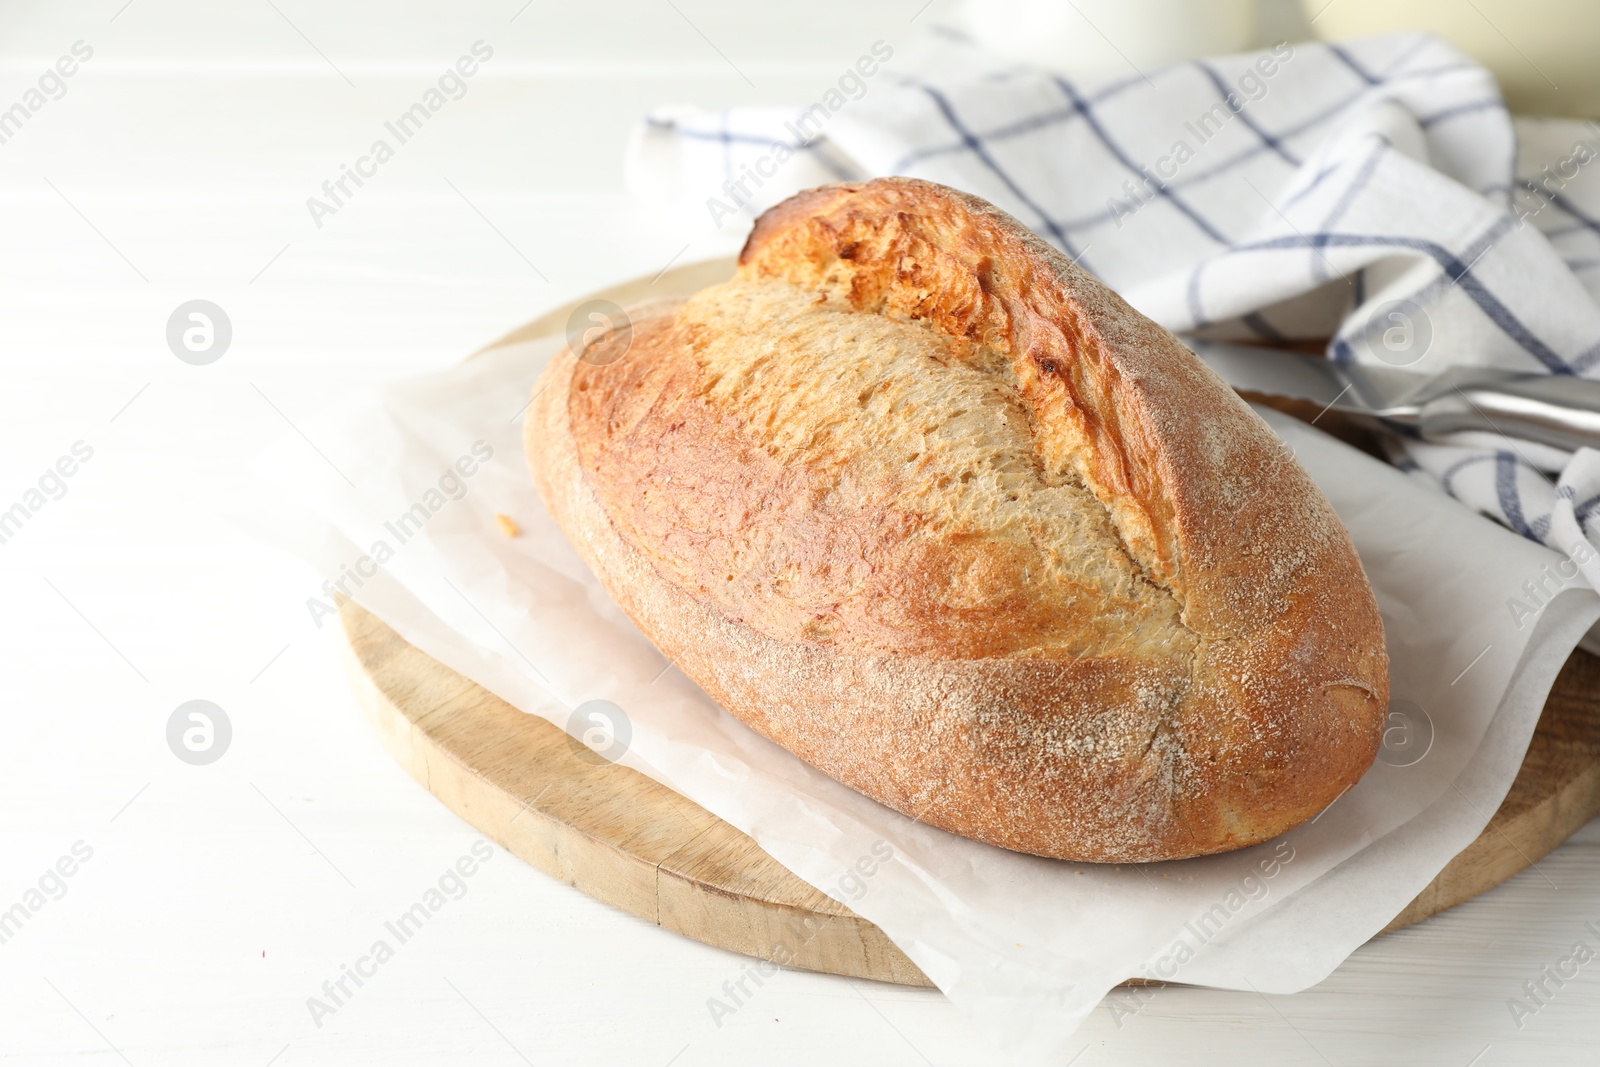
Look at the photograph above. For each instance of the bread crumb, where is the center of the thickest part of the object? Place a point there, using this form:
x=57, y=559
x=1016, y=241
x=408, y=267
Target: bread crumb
x=507, y=525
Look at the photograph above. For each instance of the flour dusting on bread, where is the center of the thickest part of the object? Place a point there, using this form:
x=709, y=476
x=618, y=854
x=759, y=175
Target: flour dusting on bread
x=922, y=501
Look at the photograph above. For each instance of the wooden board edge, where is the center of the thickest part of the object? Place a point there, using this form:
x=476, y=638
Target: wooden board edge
x=784, y=927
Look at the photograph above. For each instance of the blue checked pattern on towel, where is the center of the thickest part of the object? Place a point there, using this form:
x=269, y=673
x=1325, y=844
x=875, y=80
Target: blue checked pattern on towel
x=1292, y=194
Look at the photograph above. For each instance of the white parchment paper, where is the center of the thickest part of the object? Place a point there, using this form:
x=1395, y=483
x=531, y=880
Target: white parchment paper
x=398, y=500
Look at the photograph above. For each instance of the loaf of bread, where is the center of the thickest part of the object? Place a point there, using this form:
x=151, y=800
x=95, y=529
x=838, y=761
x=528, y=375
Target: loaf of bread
x=931, y=507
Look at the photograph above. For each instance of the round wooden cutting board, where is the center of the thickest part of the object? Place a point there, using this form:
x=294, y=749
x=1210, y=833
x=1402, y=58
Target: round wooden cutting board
x=635, y=844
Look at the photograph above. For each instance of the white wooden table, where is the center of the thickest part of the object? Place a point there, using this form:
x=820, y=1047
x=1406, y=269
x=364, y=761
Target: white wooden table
x=216, y=899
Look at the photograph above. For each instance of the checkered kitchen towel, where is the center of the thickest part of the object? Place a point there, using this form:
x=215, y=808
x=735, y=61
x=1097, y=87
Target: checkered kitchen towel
x=1296, y=193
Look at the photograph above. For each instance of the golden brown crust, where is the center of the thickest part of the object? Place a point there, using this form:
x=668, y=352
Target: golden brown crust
x=931, y=507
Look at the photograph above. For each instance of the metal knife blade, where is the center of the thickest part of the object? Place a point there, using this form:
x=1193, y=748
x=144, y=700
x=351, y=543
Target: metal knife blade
x=1556, y=410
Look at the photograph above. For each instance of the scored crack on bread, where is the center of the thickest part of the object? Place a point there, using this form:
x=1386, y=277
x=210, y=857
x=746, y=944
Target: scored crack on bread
x=928, y=505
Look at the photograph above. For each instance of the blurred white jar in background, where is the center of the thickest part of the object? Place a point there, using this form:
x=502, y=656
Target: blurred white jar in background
x=1546, y=53
x=1095, y=38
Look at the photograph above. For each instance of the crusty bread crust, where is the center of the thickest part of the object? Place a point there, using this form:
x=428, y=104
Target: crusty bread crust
x=930, y=506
